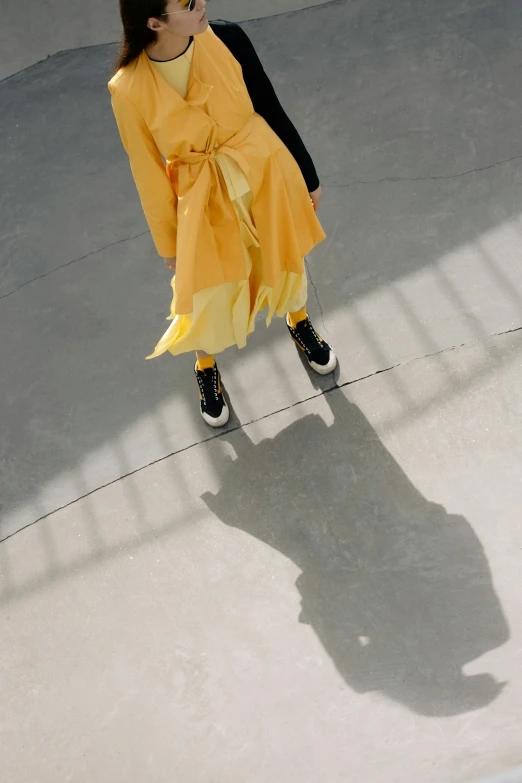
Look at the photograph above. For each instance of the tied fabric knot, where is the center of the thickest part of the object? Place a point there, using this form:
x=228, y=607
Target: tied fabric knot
x=229, y=147
x=206, y=215
x=193, y=157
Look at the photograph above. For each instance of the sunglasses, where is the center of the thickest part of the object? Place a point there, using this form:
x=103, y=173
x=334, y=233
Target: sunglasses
x=189, y=7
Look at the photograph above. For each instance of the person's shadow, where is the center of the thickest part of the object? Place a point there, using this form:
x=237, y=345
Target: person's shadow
x=398, y=591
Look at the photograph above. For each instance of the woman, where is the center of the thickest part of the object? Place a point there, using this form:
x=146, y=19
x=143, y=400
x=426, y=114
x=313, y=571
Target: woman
x=227, y=186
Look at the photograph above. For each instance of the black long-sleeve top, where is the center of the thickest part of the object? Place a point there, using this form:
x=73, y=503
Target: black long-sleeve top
x=264, y=98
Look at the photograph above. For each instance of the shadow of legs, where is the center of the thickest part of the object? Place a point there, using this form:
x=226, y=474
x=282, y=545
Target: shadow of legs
x=398, y=591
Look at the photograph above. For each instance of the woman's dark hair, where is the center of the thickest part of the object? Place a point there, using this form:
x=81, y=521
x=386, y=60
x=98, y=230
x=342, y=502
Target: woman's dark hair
x=136, y=35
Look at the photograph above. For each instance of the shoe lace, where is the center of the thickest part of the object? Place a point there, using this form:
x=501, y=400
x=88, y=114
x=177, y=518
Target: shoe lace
x=309, y=337
x=208, y=385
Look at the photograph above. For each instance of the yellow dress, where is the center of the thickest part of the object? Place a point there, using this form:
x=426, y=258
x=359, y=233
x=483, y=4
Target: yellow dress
x=225, y=315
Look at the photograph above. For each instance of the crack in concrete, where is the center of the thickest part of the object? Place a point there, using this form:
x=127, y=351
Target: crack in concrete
x=427, y=356
x=314, y=287
x=353, y=182
x=240, y=426
x=292, y=12
x=74, y=261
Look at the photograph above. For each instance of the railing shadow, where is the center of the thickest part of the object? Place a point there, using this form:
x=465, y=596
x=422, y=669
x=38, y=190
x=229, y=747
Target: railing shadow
x=398, y=590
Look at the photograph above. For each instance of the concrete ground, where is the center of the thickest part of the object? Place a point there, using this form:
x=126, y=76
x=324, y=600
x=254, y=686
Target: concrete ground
x=329, y=591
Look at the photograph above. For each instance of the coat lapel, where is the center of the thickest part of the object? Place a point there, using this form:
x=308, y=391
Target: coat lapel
x=198, y=91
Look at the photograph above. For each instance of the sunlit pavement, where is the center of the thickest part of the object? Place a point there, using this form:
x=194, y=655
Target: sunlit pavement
x=329, y=591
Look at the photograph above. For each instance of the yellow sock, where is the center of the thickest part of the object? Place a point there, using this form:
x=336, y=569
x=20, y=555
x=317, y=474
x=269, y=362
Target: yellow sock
x=295, y=318
x=205, y=363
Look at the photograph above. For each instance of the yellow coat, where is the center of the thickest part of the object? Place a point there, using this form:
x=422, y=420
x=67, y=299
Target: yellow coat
x=172, y=143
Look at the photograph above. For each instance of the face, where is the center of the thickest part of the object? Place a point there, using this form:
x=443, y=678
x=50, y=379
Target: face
x=180, y=20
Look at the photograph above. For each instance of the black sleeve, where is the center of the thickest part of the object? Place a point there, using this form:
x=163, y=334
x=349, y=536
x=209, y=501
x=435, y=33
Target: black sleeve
x=264, y=98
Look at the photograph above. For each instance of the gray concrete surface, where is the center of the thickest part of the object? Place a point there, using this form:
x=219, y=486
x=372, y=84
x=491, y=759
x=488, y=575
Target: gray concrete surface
x=29, y=34
x=330, y=590
x=512, y=776
x=361, y=619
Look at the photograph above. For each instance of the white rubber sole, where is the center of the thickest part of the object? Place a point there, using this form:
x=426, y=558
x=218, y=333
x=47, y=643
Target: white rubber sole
x=220, y=421
x=325, y=369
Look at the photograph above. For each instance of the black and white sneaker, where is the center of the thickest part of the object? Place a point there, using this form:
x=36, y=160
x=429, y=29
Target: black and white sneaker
x=321, y=357
x=214, y=409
